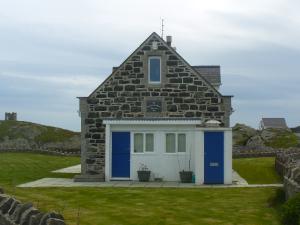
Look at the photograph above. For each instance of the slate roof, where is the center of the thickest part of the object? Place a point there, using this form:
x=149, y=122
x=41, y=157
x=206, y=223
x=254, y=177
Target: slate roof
x=211, y=73
x=273, y=123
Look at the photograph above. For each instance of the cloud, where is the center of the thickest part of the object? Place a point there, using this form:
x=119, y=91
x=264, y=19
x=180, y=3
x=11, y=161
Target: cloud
x=72, y=82
x=53, y=51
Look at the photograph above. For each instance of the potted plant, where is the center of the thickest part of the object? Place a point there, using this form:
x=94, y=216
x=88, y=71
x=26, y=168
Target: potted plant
x=186, y=176
x=143, y=173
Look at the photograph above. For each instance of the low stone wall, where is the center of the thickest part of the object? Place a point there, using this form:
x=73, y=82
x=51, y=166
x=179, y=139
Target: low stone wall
x=254, y=151
x=48, y=152
x=260, y=151
x=285, y=160
x=287, y=164
x=292, y=180
x=13, y=212
x=290, y=187
x=253, y=154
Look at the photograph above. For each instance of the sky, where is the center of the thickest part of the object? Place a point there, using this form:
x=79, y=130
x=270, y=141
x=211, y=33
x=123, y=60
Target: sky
x=52, y=51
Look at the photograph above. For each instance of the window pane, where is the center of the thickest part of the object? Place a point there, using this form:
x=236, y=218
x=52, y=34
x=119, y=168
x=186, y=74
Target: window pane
x=170, y=143
x=154, y=69
x=138, y=142
x=181, y=143
x=149, y=142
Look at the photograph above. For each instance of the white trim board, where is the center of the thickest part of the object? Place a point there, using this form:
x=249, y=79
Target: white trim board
x=153, y=122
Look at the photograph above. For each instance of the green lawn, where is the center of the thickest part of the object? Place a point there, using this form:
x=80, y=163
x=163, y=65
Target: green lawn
x=37, y=132
x=257, y=170
x=18, y=168
x=142, y=206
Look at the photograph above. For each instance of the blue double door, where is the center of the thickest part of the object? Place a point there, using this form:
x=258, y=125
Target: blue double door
x=213, y=157
x=120, y=155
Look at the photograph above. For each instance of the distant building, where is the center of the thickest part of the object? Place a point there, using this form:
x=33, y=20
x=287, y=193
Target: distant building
x=11, y=116
x=296, y=130
x=266, y=123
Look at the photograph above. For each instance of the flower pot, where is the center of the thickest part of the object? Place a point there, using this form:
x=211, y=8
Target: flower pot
x=144, y=176
x=186, y=176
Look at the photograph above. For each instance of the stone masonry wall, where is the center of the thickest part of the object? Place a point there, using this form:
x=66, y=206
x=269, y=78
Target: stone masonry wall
x=287, y=164
x=13, y=212
x=182, y=92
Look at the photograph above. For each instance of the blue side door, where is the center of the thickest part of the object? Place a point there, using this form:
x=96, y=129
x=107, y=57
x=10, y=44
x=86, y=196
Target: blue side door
x=120, y=154
x=213, y=157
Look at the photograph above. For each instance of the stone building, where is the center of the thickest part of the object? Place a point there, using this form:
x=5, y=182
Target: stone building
x=154, y=110
x=11, y=116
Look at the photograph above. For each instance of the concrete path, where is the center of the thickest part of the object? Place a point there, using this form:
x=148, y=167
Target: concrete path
x=63, y=182
x=237, y=179
x=71, y=169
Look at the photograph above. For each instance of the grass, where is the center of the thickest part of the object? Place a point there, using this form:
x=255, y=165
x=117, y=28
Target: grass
x=31, y=131
x=5, y=129
x=257, y=170
x=18, y=168
x=283, y=139
x=126, y=206
x=284, y=142
x=156, y=206
x=53, y=134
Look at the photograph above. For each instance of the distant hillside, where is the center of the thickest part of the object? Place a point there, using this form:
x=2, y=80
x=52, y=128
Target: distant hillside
x=244, y=135
x=20, y=135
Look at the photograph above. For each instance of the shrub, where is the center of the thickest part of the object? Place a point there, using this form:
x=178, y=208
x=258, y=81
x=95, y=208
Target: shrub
x=291, y=211
x=282, y=138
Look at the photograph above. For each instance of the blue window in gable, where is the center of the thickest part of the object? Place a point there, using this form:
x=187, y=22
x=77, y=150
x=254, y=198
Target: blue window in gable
x=154, y=69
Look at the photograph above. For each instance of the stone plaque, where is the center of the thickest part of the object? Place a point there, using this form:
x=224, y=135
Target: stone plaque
x=154, y=105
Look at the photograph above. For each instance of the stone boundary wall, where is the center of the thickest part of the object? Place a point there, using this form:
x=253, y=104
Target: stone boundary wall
x=287, y=165
x=47, y=152
x=261, y=151
x=290, y=187
x=253, y=152
x=13, y=212
x=253, y=155
x=286, y=160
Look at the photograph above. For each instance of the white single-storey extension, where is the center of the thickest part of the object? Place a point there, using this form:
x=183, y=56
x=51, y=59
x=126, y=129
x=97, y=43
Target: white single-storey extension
x=166, y=147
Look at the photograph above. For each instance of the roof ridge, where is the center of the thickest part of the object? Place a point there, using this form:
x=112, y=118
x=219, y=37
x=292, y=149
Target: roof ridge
x=114, y=71
x=169, y=48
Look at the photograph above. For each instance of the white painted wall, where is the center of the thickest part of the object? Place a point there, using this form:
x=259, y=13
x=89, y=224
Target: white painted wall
x=199, y=156
x=227, y=157
x=167, y=165
x=162, y=165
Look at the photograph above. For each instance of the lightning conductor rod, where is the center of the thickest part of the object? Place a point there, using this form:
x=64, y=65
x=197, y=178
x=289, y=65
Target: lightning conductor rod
x=162, y=28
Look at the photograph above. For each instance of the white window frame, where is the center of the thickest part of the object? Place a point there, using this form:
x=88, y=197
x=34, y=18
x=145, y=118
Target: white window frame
x=144, y=143
x=149, y=78
x=176, y=143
